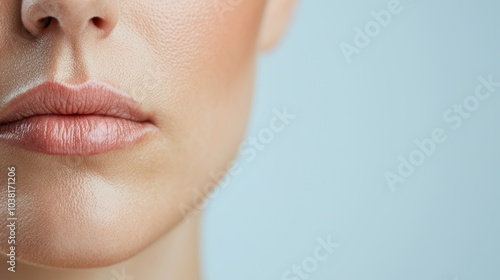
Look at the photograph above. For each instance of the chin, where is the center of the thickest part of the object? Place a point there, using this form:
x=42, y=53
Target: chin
x=86, y=223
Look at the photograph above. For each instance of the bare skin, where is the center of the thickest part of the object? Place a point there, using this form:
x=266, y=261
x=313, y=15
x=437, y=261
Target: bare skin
x=190, y=66
x=174, y=256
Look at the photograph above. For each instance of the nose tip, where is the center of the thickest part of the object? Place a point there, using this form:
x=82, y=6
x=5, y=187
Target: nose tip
x=73, y=17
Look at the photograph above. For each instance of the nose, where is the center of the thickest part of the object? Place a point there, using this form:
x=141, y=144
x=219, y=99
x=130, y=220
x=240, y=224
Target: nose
x=73, y=17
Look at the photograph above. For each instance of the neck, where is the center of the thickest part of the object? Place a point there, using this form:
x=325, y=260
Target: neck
x=174, y=256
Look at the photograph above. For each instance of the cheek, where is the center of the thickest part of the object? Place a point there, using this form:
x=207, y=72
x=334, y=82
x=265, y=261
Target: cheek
x=204, y=53
x=209, y=62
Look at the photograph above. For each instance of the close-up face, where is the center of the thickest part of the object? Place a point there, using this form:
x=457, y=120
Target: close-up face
x=249, y=139
x=116, y=114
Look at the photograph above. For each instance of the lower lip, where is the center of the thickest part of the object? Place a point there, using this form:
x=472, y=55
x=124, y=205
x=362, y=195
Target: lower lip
x=74, y=135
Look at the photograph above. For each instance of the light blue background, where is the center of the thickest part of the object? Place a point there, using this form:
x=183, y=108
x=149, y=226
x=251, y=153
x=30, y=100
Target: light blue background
x=324, y=174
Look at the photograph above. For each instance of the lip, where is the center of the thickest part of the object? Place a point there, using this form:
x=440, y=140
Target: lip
x=83, y=120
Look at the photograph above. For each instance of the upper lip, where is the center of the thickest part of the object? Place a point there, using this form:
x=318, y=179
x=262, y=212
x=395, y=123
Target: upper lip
x=91, y=98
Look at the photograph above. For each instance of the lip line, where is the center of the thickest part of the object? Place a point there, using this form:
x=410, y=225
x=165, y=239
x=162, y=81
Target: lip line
x=58, y=99
x=68, y=116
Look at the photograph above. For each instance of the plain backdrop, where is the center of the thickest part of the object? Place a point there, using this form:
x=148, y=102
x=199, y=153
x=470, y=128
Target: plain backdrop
x=324, y=175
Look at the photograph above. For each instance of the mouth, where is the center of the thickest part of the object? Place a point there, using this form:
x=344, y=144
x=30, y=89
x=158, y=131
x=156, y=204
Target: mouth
x=83, y=120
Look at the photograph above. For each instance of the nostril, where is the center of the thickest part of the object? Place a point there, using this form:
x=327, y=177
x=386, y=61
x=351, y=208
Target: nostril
x=98, y=22
x=45, y=22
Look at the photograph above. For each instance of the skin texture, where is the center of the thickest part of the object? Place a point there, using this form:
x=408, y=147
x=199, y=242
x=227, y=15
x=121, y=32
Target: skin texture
x=190, y=64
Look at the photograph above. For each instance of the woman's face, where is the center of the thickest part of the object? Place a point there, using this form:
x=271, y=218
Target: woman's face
x=96, y=186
